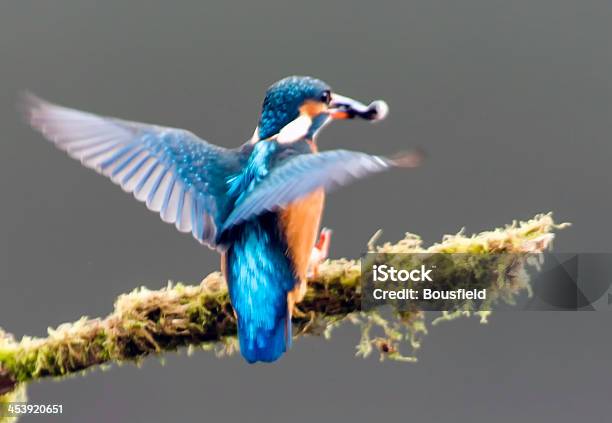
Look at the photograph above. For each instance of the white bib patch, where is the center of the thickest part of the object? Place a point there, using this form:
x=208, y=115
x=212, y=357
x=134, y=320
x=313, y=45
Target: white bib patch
x=295, y=130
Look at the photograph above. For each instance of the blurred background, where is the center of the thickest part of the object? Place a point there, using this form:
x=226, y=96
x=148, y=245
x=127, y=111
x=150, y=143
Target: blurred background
x=510, y=100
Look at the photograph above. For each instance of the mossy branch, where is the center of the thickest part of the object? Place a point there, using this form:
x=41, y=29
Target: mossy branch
x=150, y=322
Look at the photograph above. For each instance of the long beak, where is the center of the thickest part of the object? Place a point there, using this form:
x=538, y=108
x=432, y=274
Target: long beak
x=342, y=107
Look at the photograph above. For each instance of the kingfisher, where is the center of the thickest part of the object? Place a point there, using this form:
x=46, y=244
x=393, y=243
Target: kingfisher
x=259, y=205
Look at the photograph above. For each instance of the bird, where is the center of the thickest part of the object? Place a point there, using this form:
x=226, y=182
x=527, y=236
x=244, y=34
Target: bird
x=259, y=204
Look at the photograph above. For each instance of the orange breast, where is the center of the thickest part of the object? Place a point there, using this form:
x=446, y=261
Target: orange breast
x=300, y=223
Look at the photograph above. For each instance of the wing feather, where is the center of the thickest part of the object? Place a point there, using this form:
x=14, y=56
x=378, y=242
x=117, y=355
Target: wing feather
x=301, y=175
x=174, y=172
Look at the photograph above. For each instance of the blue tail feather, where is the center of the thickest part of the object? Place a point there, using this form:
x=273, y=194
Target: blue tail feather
x=262, y=345
x=259, y=277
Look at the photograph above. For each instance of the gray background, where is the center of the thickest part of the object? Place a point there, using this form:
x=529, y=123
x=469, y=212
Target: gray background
x=511, y=99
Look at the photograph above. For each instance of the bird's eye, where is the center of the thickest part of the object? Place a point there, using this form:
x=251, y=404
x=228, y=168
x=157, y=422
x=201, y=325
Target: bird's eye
x=326, y=97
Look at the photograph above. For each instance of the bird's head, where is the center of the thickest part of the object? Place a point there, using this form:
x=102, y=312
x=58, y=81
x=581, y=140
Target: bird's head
x=298, y=107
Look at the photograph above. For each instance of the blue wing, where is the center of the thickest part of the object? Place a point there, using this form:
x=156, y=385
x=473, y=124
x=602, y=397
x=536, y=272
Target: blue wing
x=174, y=172
x=302, y=174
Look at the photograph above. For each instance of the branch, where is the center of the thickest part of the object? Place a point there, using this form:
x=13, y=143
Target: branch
x=148, y=322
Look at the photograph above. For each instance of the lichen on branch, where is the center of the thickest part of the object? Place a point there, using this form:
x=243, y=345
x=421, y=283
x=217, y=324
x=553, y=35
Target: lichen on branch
x=148, y=322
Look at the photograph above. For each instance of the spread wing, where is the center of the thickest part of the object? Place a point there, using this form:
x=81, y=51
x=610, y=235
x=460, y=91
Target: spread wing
x=173, y=171
x=302, y=174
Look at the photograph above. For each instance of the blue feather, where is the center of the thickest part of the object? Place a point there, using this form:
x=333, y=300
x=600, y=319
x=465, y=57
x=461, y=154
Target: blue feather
x=121, y=166
x=167, y=195
x=179, y=210
x=155, y=187
x=145, y=178
x=134, y=170
x=259, y=276
x=116, y=156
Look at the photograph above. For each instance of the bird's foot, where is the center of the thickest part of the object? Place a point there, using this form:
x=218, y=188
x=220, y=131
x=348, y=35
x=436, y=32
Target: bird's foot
x=320, y=252
x=296, y=312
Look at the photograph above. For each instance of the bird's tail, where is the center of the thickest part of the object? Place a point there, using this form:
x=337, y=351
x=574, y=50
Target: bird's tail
x=259, y=277
x=267, y=345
